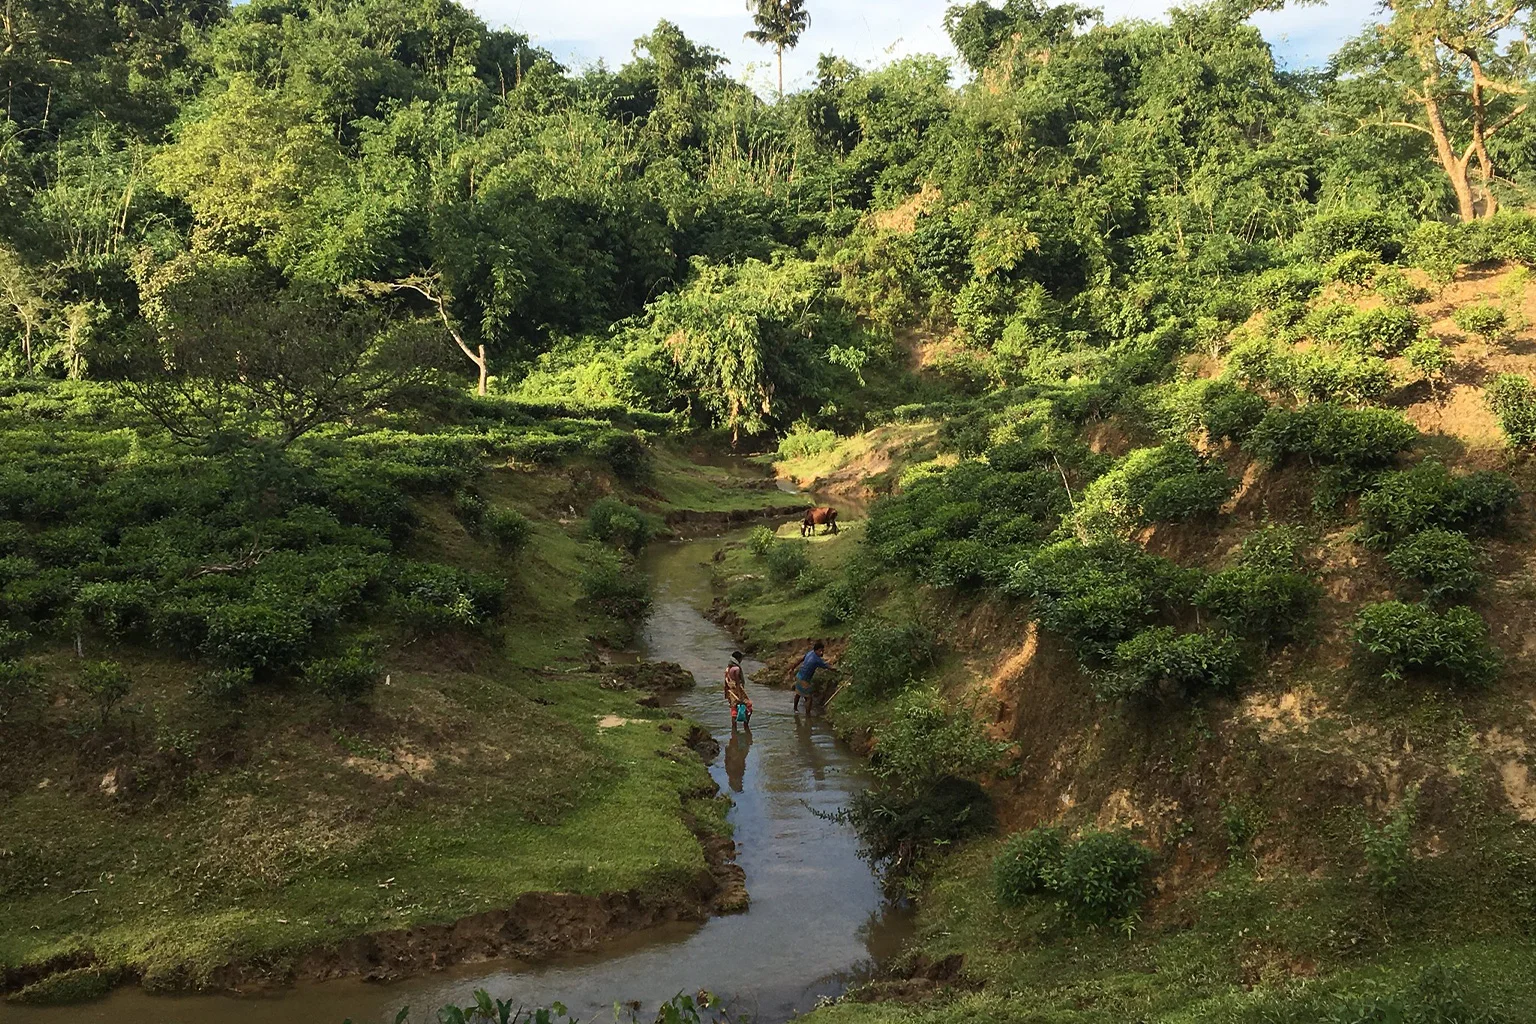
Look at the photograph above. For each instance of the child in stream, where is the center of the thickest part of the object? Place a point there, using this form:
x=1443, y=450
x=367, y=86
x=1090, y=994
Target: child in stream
x=736, y=698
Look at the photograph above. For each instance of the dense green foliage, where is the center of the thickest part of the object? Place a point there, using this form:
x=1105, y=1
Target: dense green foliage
x=1098, y=875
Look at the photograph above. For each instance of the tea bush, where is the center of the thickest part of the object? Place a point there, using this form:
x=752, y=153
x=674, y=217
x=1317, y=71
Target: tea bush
x=760, y=540
x=1444, y=562
x=1428, y=358
x=1326, y=236
x=351, y=676
x=927, y=740
x=19, y=689
x=840, y=602
x=12, y=642
x=1102, y=875
x=1325, y=432
x=1229, y=412
x=1513, y=401
x=1264, y=595
x=1098, y=595
x=1029, y=865
x=785, y=561
x=615, y=522
x=1314, y=376
x=1403, y=638
x=1388, y=847
x=1162, y=661
x=509, y=528
x=227, y=685
x=105, y=684
x=1485, y=320
x=1353, y=266
x=1395, y=287
x=261, y=637
x=1383, y=331
x=435, y=597
x=885, y=656
x=803, y=442
x=1167, y=484
x=1429, y=495
x=614, y=586
x=1292, y=284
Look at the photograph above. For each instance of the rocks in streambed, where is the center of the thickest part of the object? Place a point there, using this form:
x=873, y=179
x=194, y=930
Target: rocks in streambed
x=655, y=676
x=703, y=744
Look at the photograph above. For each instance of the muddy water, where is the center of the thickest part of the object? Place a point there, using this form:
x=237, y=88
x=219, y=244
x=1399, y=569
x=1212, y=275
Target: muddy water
x=817, y=920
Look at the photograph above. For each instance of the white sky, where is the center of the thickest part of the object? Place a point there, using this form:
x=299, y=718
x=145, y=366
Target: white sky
x=578, y=32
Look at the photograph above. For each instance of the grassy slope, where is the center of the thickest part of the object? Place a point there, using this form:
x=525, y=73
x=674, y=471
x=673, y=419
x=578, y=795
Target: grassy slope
x=1308, y=754
x=479, y=773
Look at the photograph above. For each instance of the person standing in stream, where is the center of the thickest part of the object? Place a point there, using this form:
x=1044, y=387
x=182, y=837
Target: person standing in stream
x=805, y=676
x=736, y=699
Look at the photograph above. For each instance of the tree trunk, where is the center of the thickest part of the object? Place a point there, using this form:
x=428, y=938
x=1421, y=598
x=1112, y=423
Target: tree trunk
x=781, y=74
x=1455, y=169
x=484, y=366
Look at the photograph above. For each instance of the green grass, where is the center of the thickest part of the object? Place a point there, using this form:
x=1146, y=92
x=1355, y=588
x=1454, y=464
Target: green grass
x=773, y=613
x=255, y=832
x=1241, y=943
x=681, y=483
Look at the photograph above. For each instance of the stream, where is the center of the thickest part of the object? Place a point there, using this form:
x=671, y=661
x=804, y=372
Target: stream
x=817, y=920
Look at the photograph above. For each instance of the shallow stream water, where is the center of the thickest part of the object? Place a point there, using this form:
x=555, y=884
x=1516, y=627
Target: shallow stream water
x=817, y=919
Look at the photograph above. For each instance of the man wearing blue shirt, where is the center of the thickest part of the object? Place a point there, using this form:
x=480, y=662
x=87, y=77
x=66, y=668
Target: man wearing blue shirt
x=805, y=676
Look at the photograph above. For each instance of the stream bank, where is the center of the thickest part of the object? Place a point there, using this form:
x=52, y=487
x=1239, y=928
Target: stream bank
x=816, y=921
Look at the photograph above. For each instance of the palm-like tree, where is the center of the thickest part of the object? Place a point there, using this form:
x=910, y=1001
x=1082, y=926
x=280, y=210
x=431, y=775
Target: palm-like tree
x=779, y=25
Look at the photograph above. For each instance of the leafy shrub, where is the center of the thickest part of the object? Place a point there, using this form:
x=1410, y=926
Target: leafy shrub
x=810, y=579
x=615, y=522
x=1388, y=847
x=1098, y=595
x=1353, y=266
x=1282, y=285
x=1434, y=248
x=1513, y=401
x=1230, y=412
x=885, y=656
x=105, y=684
x=894, y=829
x=507, y=527
x=1316, y=377
x=925, y=741
x=1383, y=331
x=1485, y=320
x=1029, y=865
x=1403, y=638
x=625, y=453
x=615, y=587
x=469, y=506
x=1170, y=483
x=255, y=635
x=785, y=561
x=840, y=602
x=805, y=443
x=19, y=689
x=1102, y=874
x=1324, y=432
x=12, y=642
x=117, y=607
x=1429, y=495
x=1444, y=562
x=1264, y=595
x=1428, y=358
x=227, y=685
x=350, y=676
x=962, y=564
x=1163, y=660
x=1395, y=287
x=1327, y=235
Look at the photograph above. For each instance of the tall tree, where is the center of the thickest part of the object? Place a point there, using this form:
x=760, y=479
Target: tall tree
x=780, y=23
x=1462, y=70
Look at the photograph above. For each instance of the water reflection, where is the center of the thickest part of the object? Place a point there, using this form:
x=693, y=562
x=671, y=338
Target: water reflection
x=736, y=756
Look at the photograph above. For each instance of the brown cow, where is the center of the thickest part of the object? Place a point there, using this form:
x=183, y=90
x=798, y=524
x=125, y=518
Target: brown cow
x=824, y=515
